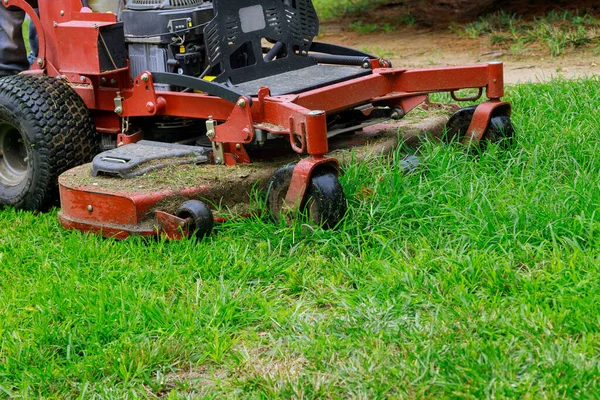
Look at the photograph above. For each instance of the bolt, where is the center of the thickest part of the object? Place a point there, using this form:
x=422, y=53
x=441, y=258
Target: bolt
x=103, y=80
x=55, y=24
x=90, y=208
x=145, y=77
x=241, y=103
x=366, y=65
x=82, y=79
x=40, y=62
x=238, y=146
x=96, y=26
x=210, y=134
x=62, y=13
x=113, y=81
x=119, y=110
x=6, y=2
x=218, y=160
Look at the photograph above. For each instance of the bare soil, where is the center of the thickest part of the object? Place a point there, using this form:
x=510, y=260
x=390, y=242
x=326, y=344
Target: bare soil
x=430, y=42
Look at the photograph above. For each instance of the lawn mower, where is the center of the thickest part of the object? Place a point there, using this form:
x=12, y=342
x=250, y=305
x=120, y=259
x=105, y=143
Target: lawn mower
x=175, y=102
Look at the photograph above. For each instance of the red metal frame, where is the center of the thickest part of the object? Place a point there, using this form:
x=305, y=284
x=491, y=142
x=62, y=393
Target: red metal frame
x=68, y=36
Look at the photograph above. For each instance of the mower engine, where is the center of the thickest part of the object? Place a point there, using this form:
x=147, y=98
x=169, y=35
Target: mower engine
x=166, y=36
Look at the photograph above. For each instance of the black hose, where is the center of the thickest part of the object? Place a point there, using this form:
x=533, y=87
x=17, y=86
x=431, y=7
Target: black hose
x=274, y=52
x=85, y=3
x=340, y=60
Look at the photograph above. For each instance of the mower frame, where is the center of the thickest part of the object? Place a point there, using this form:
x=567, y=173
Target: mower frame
x=232, y=118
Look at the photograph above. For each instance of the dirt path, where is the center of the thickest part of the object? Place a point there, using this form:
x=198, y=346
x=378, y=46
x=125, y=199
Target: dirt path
x=413, y=47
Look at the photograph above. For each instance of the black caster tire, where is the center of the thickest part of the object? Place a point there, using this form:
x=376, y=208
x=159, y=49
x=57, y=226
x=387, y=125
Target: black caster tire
x=199, y=216
x=325, y=202
x=277, y=189
x=500, y=129
x=45, y=129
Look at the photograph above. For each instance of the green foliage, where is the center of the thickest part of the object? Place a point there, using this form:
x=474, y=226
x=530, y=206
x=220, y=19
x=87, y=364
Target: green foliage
x=476, y=276
x=362, y=28
x=332, y=9
x=555, y=31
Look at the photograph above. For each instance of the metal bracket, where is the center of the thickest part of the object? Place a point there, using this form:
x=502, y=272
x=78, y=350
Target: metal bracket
x=119, y=104
x=218, y=153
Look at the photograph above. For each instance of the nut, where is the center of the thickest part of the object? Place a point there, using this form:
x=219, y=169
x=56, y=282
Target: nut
x=241, y=103
x=40, y=62
x=210, y=134
x=119, y=110
x=145, y=77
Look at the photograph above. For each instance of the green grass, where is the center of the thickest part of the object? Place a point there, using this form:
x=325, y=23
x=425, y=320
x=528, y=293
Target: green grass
x=332, y=9
x=557, y=32
x=477, y=276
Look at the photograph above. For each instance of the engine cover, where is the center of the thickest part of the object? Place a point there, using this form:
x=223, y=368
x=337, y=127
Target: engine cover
x=166, y=35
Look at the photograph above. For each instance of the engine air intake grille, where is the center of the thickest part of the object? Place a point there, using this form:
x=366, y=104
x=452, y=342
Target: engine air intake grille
x=157, y=4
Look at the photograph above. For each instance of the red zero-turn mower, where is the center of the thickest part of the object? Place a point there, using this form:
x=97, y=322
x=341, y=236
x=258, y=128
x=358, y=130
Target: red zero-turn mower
x=176, y=99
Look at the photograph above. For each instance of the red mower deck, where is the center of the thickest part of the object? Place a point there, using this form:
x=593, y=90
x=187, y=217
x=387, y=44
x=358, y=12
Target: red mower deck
x=146, y=205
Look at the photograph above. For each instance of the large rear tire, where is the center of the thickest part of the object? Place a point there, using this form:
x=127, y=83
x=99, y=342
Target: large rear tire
x=45, y=129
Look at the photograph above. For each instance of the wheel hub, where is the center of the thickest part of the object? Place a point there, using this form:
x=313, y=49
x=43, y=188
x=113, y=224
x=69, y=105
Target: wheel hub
x=14, y=155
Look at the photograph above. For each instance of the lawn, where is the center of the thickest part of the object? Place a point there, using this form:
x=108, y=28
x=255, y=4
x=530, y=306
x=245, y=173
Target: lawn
x=475, y=276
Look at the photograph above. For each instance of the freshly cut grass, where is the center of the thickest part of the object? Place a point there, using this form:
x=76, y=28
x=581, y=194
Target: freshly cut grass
x=475, y=276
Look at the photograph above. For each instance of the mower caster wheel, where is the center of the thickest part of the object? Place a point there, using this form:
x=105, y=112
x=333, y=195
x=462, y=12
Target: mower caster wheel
x=325, y=203
x=199, y=217
x=500, y=129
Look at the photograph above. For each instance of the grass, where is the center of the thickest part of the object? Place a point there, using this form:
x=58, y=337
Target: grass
x=358, y=9
x=477, y=276
x=332, y=9
x=556, y=32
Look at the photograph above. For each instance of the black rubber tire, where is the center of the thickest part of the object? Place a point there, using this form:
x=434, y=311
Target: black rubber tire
x=199, y=215
x=325, y=201
x=48, y=126
x=276, y=190
x=500, y=129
